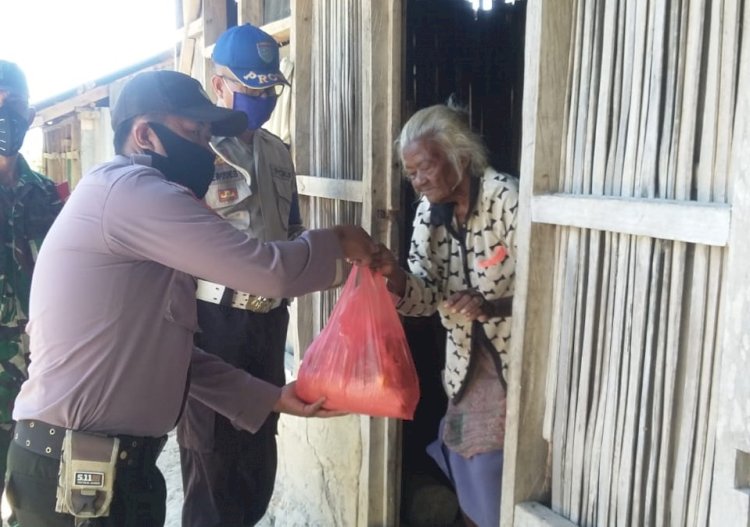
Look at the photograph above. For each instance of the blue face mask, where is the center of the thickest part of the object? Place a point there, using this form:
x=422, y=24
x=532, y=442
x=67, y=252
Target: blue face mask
x=257, y=109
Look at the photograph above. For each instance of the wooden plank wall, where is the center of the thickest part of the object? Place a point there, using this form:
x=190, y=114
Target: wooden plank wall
x=347, y=114
x=632, y=386
x=62, y=150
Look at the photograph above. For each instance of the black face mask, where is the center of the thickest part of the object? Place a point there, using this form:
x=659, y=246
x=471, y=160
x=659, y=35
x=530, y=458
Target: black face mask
x=13, y=129
x=187, y=163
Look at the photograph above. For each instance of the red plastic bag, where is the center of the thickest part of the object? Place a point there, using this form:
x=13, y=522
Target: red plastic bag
x=361, y=361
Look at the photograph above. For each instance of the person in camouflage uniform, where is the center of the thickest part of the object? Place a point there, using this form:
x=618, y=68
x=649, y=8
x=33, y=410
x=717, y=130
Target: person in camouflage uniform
x=29, y=203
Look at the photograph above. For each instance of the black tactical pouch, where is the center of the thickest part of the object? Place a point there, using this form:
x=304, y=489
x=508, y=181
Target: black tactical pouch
x=87, y=475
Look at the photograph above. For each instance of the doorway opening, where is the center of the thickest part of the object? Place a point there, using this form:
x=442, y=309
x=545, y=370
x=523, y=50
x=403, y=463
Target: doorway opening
x=477, y=58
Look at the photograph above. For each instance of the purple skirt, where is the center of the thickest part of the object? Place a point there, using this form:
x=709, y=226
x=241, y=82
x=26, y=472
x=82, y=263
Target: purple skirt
x=477, y=480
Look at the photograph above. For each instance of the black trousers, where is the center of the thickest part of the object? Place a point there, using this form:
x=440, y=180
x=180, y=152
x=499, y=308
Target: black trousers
x=139, y=496
x=228, y=475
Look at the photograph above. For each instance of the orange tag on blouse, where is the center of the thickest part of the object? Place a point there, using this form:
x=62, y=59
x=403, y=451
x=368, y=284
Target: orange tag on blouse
x=497, y=256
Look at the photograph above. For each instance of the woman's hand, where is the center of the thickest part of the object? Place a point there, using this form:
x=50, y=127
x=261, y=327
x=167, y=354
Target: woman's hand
x=385, y=263
x=290, y=404
x=470, y=303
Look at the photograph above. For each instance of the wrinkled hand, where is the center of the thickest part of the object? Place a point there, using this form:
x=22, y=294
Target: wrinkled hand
x=470, y=303
x=384, y=261
x=290, y=404
x=358, y=247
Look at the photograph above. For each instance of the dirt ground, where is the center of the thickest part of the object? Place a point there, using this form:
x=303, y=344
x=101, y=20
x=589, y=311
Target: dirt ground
x=169, y=464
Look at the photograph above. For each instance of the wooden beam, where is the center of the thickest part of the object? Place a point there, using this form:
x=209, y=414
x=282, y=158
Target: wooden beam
x=215, y=20
x=194, y=30
x=280, y=30
x=380, y=102
x=320, y=187
x=301, y=56
x=300, y=53
x=548, y=42
x=687, y=221
x=730, y=492
x=530, y=514
x=84, y=100
x=191, y=10
x=250, y=12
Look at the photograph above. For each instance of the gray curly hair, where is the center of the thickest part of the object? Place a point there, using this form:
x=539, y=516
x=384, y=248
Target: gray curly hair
x=447, y=126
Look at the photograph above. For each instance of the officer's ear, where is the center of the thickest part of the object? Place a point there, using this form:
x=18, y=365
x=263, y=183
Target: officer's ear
x=144, y=137
x=217, y=83
x=224, y=95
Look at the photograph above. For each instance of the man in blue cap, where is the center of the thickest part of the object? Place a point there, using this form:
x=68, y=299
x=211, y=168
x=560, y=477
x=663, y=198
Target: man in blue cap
x=29, y=204
x=229, y=474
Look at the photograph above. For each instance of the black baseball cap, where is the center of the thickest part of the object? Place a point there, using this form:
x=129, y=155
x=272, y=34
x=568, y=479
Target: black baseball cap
x=174, y=93
x=12, y=79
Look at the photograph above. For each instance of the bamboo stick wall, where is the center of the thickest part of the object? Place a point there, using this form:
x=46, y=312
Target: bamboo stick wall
x=335, y=117
x=634, y=356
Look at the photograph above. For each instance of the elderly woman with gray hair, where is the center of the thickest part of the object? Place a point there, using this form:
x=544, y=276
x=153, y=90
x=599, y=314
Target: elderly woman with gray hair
x=462, y=264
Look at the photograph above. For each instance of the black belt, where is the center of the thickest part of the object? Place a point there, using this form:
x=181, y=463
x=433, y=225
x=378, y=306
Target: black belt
x=46, y=440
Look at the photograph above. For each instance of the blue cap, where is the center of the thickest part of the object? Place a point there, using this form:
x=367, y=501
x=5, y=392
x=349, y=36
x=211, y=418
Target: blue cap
x=251, y=54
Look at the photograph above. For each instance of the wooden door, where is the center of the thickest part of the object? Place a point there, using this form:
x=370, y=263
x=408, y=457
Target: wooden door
x=346, y=98
x=628, y=186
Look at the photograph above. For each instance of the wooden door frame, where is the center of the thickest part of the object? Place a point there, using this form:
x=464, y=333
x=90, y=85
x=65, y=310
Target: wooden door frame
x=378, y=191
x=548, y=35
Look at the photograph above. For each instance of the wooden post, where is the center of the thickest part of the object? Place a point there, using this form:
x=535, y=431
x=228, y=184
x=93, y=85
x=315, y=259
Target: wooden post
x=730, y=492
x=251, y=11
x=381, y=101
x=214, y=24
x=548, y=40
x=300, y=54
x=191, y=10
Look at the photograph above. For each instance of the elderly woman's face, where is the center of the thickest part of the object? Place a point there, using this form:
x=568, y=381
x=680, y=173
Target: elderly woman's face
x=429, y=171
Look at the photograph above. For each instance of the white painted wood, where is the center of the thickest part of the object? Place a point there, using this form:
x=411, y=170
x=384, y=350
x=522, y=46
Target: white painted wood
x=693, y=222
